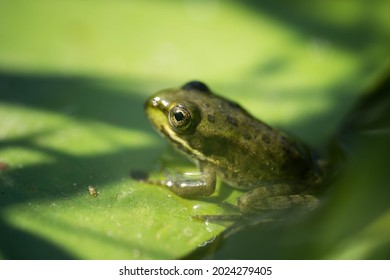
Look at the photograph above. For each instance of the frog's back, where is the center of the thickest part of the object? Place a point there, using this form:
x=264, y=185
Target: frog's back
x=248, y=152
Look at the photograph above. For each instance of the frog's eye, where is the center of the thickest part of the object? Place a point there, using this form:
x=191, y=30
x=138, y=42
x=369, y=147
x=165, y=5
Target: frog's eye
x=182, y=118
x=179, y=117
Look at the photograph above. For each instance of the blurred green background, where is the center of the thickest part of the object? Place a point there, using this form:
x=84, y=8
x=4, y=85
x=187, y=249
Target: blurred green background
x=73, y=79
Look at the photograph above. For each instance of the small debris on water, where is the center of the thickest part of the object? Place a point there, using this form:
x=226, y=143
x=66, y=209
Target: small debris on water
x=92, y=191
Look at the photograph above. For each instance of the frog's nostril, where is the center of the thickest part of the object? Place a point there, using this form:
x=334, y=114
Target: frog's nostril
x=196, y=85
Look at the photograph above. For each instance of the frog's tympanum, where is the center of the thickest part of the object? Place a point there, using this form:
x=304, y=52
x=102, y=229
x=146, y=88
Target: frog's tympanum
x=276, y=171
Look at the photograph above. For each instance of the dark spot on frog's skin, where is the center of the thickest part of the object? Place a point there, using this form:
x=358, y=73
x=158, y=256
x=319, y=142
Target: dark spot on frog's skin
x=265, y=138
x=232, y=120
x=247, y=136
x=287, y=151
x=196, y=85
x=211, y=118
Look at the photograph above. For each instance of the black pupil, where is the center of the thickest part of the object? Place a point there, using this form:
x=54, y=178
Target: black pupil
x=179, y=116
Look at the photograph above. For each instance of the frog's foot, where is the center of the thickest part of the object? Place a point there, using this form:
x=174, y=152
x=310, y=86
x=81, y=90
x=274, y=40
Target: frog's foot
x=188, y=185
x=263, y=199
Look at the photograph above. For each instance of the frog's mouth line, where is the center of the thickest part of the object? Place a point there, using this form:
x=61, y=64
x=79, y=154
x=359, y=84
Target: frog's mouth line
x=181, y=145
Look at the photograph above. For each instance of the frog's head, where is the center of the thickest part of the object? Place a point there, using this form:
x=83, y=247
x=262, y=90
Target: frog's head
x=176, y=113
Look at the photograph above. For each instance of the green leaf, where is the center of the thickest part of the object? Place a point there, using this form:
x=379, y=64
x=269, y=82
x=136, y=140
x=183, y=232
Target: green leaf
x=74, y=77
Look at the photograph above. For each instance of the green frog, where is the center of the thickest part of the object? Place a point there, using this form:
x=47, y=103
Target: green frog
x=277, y=172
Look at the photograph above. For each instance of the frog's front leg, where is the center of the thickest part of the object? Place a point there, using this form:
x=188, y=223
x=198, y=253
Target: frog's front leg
x=277, y=197
x=187, y=187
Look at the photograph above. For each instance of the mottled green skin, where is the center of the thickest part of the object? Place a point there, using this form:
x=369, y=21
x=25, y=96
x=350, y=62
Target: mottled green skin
x=224, y=138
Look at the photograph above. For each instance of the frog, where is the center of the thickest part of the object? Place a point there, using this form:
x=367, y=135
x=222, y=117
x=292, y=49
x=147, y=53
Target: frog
x=275, y=171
